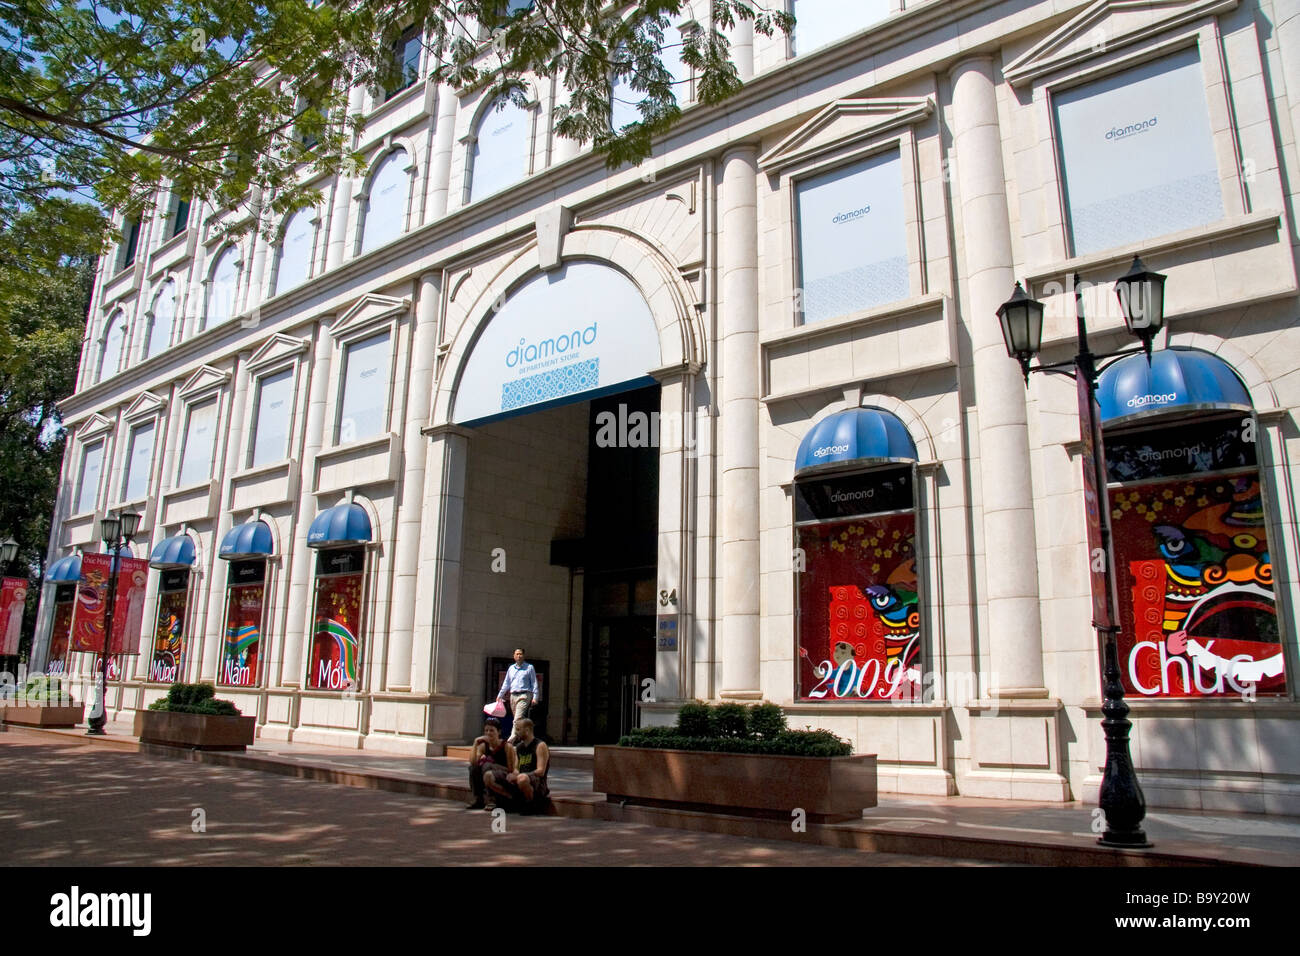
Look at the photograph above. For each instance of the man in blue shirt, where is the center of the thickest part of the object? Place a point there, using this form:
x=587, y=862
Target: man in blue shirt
x=520, y=688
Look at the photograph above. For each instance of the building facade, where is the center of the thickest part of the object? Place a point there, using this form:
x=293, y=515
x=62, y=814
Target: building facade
x=739, y=423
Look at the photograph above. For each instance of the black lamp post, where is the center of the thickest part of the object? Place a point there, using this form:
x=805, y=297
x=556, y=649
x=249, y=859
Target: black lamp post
x=117, y=531
x=1142, y=300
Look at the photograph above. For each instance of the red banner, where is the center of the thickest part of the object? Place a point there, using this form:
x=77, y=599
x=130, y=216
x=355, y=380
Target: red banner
x=13, y=597
x=1094, y=463
x=337, y=633
x=128, y=612
x=1195, y=587
x=56, y=661
x=859, y=623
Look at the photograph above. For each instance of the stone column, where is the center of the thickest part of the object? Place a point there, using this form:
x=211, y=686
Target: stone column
x=738, y=222
x=1010, y=546
x=1286, y=29
x=444, y=141
x=742, y=48
x=409, y=506
x=301, y=561
x=443, y=547
x=214, y=625
x=341, y=207
x=562, y=148
x=676, y=512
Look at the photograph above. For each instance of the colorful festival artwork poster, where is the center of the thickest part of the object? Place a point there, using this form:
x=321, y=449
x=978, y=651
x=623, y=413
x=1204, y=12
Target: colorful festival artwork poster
x=168, y=662
x=13, y=598
x=128, y=610
x=336, y=635
x=859, y=621
x=56, y=662
x=1196, y=599
x=243, y=641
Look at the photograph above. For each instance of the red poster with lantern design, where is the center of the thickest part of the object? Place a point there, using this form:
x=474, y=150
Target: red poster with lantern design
x=13, y=598
x=128, y=611
x=1195, y=589
x=859, y=623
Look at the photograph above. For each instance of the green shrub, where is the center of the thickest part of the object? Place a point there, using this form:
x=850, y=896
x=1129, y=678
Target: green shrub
x=766, y=721
x=194, y=699
x=791, y=743
x=735, y=728
x=693, y=720
x=730, y=720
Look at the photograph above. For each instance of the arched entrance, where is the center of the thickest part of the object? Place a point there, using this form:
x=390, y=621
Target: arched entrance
x=551, y=402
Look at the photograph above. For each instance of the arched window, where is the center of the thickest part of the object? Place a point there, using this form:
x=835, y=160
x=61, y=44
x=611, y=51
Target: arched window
x=625, y=100
x=386, y=202
x=110, y=355
x=502, y=140
x=221, y=288
x=158, y=332
x=296, y=247
x=820, y=22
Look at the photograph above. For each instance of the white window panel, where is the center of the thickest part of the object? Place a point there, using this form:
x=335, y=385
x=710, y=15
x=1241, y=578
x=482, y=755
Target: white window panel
x=852, y=238
x=1137, y=155
x=501, y=149
x=92, y=462
x=139, y=461
x=386, y=204
x=110, y=358
x=295, y=251
x=819, y=22
x=363, y=411
x=200, y=442
x=158, y=335
x=221, y=290
x=274, y=412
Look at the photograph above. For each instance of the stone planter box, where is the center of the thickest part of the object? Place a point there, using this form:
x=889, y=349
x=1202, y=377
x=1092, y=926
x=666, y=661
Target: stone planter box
x=827, y=789
x=195, y=731
x=42, y=715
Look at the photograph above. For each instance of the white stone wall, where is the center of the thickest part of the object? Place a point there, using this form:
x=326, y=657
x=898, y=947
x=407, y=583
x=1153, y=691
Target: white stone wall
x=525, y=486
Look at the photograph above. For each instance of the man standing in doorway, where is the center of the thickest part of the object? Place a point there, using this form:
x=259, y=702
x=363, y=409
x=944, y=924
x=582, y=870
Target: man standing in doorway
x=520, y=689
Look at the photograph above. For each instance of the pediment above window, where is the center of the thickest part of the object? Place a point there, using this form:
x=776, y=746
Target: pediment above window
x=205, y=379
x=275, y=349
x=843, y=123
x=370, y=310
x=145, y=406
x=1105, y=26
x=94, y=425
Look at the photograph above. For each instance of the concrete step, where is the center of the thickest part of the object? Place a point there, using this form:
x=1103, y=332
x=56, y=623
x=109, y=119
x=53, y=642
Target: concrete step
x=570, y=758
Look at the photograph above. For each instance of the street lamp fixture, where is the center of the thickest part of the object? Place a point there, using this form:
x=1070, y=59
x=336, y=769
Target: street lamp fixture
x=117, y=532
x=1022, y=327
x=8, y=551
x=1142, y=298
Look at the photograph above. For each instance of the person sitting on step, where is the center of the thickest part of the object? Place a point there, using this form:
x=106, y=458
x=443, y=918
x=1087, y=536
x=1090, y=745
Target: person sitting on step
x=489, y=751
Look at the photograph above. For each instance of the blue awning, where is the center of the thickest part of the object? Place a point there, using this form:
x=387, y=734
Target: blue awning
x=174, y=552
x=64, y=570
x=249, y=540
x=1177, y=379
x=342, y=524
x=858, y=434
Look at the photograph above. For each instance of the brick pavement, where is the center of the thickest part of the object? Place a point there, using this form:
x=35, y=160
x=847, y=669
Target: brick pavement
x=65, y=802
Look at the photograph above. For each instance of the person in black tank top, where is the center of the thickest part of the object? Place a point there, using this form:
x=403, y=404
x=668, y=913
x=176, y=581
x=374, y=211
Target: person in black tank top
x=532, y=758
x=490, y=751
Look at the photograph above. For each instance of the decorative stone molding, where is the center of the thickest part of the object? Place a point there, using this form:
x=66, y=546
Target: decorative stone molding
x=843, y=124
x=1108, y=25
x=205, y=379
